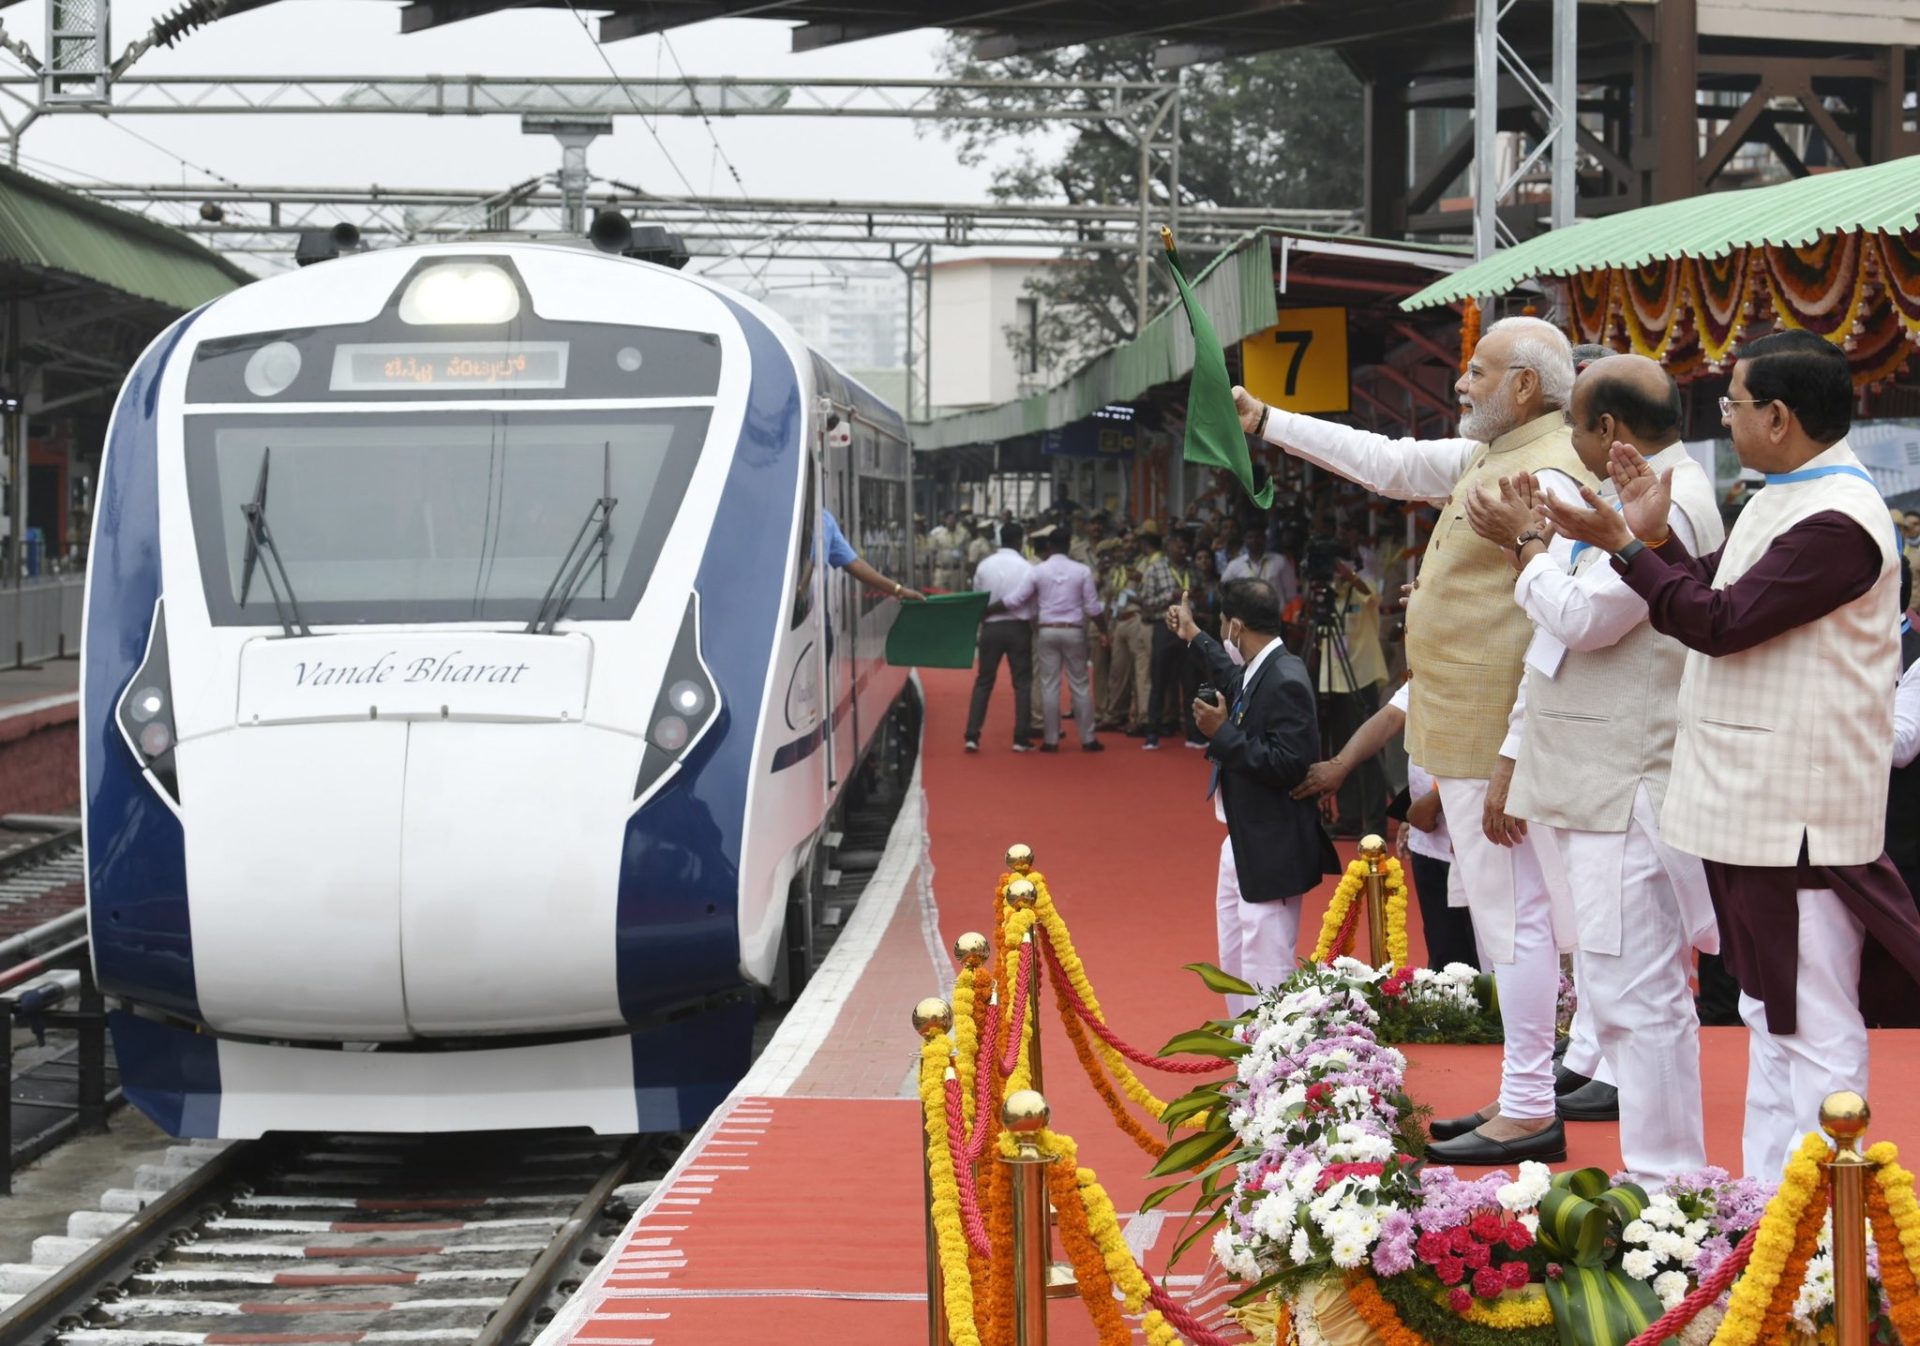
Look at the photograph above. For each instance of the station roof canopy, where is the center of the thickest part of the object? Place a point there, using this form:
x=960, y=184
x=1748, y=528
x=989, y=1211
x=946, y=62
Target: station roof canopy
x=1882, y=199
x=1241, y=290
x=1206, y=30
x=53, y=238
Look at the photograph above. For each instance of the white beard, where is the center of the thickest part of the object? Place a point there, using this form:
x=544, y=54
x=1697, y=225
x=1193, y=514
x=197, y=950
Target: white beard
x=1487, y=421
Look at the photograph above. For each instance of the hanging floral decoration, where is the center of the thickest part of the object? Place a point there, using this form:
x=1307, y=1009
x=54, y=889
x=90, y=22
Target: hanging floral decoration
x=1860, y=291
x=1469, y=331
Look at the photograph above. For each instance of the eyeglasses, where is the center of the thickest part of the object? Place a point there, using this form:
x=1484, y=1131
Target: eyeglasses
x=1727, y=404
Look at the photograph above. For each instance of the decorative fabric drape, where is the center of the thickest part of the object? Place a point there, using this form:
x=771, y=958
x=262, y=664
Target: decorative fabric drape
x=1860, y=291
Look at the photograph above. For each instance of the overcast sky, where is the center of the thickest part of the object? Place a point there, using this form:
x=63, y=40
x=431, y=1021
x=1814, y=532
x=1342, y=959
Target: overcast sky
x=779, y=157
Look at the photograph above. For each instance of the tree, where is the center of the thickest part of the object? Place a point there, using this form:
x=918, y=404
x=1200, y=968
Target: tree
x=1280, y=130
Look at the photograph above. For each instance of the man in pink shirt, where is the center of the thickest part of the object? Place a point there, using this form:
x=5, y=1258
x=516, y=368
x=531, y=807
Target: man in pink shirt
x=1067, y=599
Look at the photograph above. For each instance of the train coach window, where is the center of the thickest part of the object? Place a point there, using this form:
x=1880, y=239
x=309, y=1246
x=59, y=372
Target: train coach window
x=440, y=516
x=804, y=563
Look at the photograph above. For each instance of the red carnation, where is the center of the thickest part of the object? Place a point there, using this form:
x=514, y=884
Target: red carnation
x=1477, y=1255
x=1431, y=1247
x=1459, y=1239
x=1518, y=1237
x=1486, y=1226
x=1450, y=1270
x=1459, y=1299
x=1516, y=1275
x=1488, y=1282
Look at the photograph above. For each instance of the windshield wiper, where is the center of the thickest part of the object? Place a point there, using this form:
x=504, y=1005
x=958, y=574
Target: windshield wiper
x=260, y=543
x=596, y=528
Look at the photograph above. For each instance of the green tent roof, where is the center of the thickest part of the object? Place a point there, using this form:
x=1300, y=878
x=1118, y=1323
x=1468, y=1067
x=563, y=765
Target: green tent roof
x=44, y=227
x=1884, y=198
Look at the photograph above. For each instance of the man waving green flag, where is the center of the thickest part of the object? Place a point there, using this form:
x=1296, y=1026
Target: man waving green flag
x=1214, y=436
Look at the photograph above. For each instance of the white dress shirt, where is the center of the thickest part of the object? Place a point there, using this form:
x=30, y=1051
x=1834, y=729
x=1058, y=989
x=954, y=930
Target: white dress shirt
x=1063, y=588
x=1243, y=567
x=998, y=576
x=1906, y=717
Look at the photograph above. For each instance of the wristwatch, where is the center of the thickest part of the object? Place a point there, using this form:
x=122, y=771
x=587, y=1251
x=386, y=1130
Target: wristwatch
x=1260, y=426
x=1633, y=548
x=1531, y=535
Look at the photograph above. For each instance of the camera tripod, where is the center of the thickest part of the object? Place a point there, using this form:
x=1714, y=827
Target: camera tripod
x=1326, y=651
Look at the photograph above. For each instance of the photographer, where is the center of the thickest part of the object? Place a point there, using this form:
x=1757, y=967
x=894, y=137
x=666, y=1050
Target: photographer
x=1350, y=668
x=1261, y=735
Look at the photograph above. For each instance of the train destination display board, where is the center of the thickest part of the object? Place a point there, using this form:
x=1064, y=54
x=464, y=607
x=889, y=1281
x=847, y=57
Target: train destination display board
x=439, y=366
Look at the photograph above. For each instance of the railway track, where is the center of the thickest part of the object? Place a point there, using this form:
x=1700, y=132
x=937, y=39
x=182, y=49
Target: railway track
x=42, y=872
x=375, y=1239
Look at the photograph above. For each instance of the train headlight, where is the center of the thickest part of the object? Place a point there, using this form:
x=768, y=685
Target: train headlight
x=687, y=706
x=145, y=711
x=687, y=697
x=460, y=294
x=272, y=369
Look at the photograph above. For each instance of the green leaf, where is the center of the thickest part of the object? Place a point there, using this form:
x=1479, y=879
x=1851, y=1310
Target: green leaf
x=1190, y=1105
x=1225, y=983
x=1155, y=1198
x=1258, y=1289
x=1201, y=1042
x=1187, y=1242
x=1185, y=1154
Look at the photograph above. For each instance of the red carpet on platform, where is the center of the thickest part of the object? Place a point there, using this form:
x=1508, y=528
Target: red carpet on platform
x=800, y=1217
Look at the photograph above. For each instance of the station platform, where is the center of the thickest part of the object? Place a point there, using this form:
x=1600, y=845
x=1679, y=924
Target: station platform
x=796, y=1213
x=39, y=737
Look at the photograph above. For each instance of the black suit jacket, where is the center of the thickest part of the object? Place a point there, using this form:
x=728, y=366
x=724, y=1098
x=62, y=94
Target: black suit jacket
x=1279, y=845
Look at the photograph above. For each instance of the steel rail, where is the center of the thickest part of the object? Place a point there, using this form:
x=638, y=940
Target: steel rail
x=512, y=1317
x=33, y=852
x=67, y=1291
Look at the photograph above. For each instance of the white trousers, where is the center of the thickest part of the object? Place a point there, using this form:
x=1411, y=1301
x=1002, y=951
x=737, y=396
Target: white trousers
x=1256, y=938
x=1631, y=901
x=1513, y=924
x=1057, y=646
x=1788, y=1074
x=1584, y=1056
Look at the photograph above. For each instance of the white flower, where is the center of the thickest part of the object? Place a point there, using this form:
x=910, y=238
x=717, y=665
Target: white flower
x=1349, y=1252
x=1639, y=1231
x=1671, y=1286
x=1639, y=1264
x=1301, y=1249
x=1526, y=1191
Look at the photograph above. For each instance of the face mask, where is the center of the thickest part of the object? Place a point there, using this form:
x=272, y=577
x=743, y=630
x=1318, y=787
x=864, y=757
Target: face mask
x=1233, y=650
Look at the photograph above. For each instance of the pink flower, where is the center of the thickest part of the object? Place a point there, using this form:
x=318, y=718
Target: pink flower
x=1516, y=1275
x=1518, y=1237
x=1488, y=1282
x=1450, y=1270
x=1459, y=1300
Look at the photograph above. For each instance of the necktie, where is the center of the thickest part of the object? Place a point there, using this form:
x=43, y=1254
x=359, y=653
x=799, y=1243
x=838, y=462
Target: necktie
x=1239, y=704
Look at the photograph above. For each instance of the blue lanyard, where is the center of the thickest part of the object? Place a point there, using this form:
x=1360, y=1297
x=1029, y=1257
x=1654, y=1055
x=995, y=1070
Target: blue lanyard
x=1578, y=547
x=1836, y=470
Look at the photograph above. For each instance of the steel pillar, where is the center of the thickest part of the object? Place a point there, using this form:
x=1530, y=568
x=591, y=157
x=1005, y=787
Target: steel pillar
x=1555, y=97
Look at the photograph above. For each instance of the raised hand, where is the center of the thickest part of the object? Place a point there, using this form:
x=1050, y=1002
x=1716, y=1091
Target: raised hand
x=1645, y=496
x=1501, y=517
x=1249, y=407
x=1598, y=525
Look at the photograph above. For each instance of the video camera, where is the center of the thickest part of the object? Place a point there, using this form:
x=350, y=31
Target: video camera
x=1322, y=551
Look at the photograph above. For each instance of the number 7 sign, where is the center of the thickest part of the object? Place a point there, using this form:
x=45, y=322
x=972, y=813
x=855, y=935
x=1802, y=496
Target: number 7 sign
x=1300, y=363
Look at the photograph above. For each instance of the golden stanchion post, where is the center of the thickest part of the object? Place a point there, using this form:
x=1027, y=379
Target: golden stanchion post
x=1844, y=1117
x=1025, y=1114
x=1020, y=858
x=932, y=1017
x=1022, y=893
x=1373, y=849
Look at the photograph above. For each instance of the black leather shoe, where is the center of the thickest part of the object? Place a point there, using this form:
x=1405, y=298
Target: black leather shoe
x=1546, y=1147
x=1566, y=1081
x=1591, y=1102
x=1446, y=1128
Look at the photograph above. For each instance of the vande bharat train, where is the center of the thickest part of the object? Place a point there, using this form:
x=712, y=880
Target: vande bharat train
x=465, y=698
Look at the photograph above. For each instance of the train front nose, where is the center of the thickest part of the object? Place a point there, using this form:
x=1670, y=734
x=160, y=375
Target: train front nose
x=408, y=836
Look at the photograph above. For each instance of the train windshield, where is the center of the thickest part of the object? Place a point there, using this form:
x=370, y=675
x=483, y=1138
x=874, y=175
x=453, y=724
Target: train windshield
x=435, y=516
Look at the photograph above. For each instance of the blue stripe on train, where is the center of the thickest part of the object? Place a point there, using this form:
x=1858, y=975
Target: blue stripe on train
x=136, y=852
x=678, y=931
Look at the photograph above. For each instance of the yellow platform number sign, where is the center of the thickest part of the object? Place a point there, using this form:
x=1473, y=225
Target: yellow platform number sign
x=1300, y=363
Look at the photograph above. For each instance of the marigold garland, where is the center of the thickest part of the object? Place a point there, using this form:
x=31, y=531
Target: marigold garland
x=1337, y=926
x=1896, y=1270
x=1469, y=331
x=1103, y=1224
x=956, y=1280
x=1783, y=1244
x=1379, y=1315
x=1089, y=1264
x=1077, y=1035
x=1055, y=929
x=966, y=1035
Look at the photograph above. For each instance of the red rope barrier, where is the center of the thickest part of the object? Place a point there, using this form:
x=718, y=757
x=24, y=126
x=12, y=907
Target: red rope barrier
x=1349, y=928
x=1180, y=1319
x=1016, y=1013
x=1674, y=1319
x=1067, y=992
x=963, y=1174
x=983, y=1066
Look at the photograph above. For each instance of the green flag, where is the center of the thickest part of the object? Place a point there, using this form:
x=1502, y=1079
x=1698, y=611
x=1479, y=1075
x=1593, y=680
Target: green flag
x=1214, y=436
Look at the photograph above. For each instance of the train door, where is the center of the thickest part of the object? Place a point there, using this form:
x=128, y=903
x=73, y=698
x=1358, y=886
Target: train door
x=817, y=499
x=836, y=451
